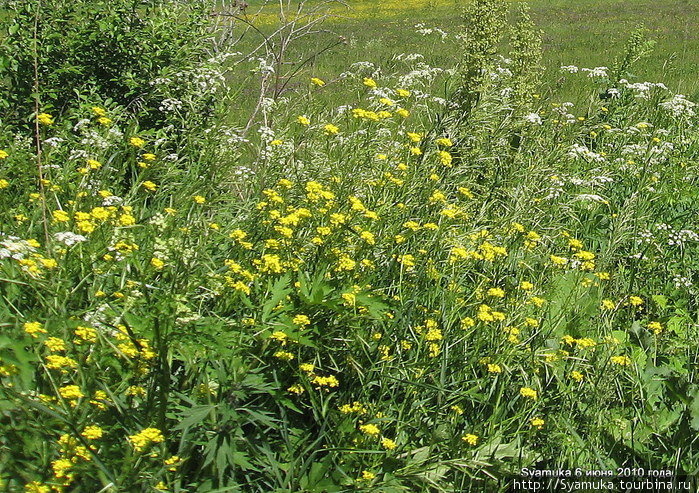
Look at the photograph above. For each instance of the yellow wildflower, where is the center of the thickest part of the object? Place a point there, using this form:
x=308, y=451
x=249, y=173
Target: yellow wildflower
x=388, y=444
x=296, y=389
x=470, y=439
x=92, y=432
x=607, y=305
x=370, y=429
x=45, y=119
x=656, y=327
x=71, y=392
x=55, y=344
x=636, y=301
x=331, y=129
x=137, y=142
x=157, y=263
x=34, y=328
x=87, y=334
x=368, y=476
x=146, y=437
x=528, y=392
x=621, y=360
x=284, y=355
x=329, y=381
x=60, y=216
x=36, y=487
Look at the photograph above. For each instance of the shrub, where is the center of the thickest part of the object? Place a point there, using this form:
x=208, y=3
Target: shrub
x=113, y=47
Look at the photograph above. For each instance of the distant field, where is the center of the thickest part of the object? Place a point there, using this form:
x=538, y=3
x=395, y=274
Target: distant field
x=587, y=33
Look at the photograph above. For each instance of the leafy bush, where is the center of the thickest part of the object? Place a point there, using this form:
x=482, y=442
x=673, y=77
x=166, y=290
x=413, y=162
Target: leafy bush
x=116, y=48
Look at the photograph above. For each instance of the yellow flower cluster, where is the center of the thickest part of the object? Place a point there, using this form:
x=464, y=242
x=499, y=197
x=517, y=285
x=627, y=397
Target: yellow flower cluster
x=146, y=437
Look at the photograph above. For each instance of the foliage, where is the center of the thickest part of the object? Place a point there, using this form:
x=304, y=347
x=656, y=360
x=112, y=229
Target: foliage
x=526, y=56
x=637, y=47
x=116, y=47
x=484, y=23
x=374, y=297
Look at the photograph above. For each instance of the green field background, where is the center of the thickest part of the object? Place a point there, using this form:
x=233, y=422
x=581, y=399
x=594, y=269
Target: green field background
x=586, y=33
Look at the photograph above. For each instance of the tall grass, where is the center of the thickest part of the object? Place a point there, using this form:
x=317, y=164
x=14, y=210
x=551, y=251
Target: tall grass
x=413, y=292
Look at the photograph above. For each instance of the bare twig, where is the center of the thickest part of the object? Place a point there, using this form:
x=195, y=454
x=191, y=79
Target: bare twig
x=280, y=90
x=296, y=21
x=260, y=101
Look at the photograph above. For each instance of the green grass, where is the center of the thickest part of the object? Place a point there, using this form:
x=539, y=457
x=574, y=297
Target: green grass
x=587, y=33
x=404, y=296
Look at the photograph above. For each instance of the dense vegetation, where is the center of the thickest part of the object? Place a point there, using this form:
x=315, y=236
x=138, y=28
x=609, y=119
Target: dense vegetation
x=402, y=278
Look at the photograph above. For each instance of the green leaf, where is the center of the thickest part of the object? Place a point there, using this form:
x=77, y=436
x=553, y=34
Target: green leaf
x=660, y=300
x=621, y=336
x=678, y=325
x=276, y=293
x=694, y=412
x=195, y=416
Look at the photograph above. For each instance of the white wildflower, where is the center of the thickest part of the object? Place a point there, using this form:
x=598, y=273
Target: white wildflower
x=533, y=118
x=68, y=238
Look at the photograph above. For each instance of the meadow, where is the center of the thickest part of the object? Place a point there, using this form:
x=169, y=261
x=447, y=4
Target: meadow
x=589, y=33
x=240, y=254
